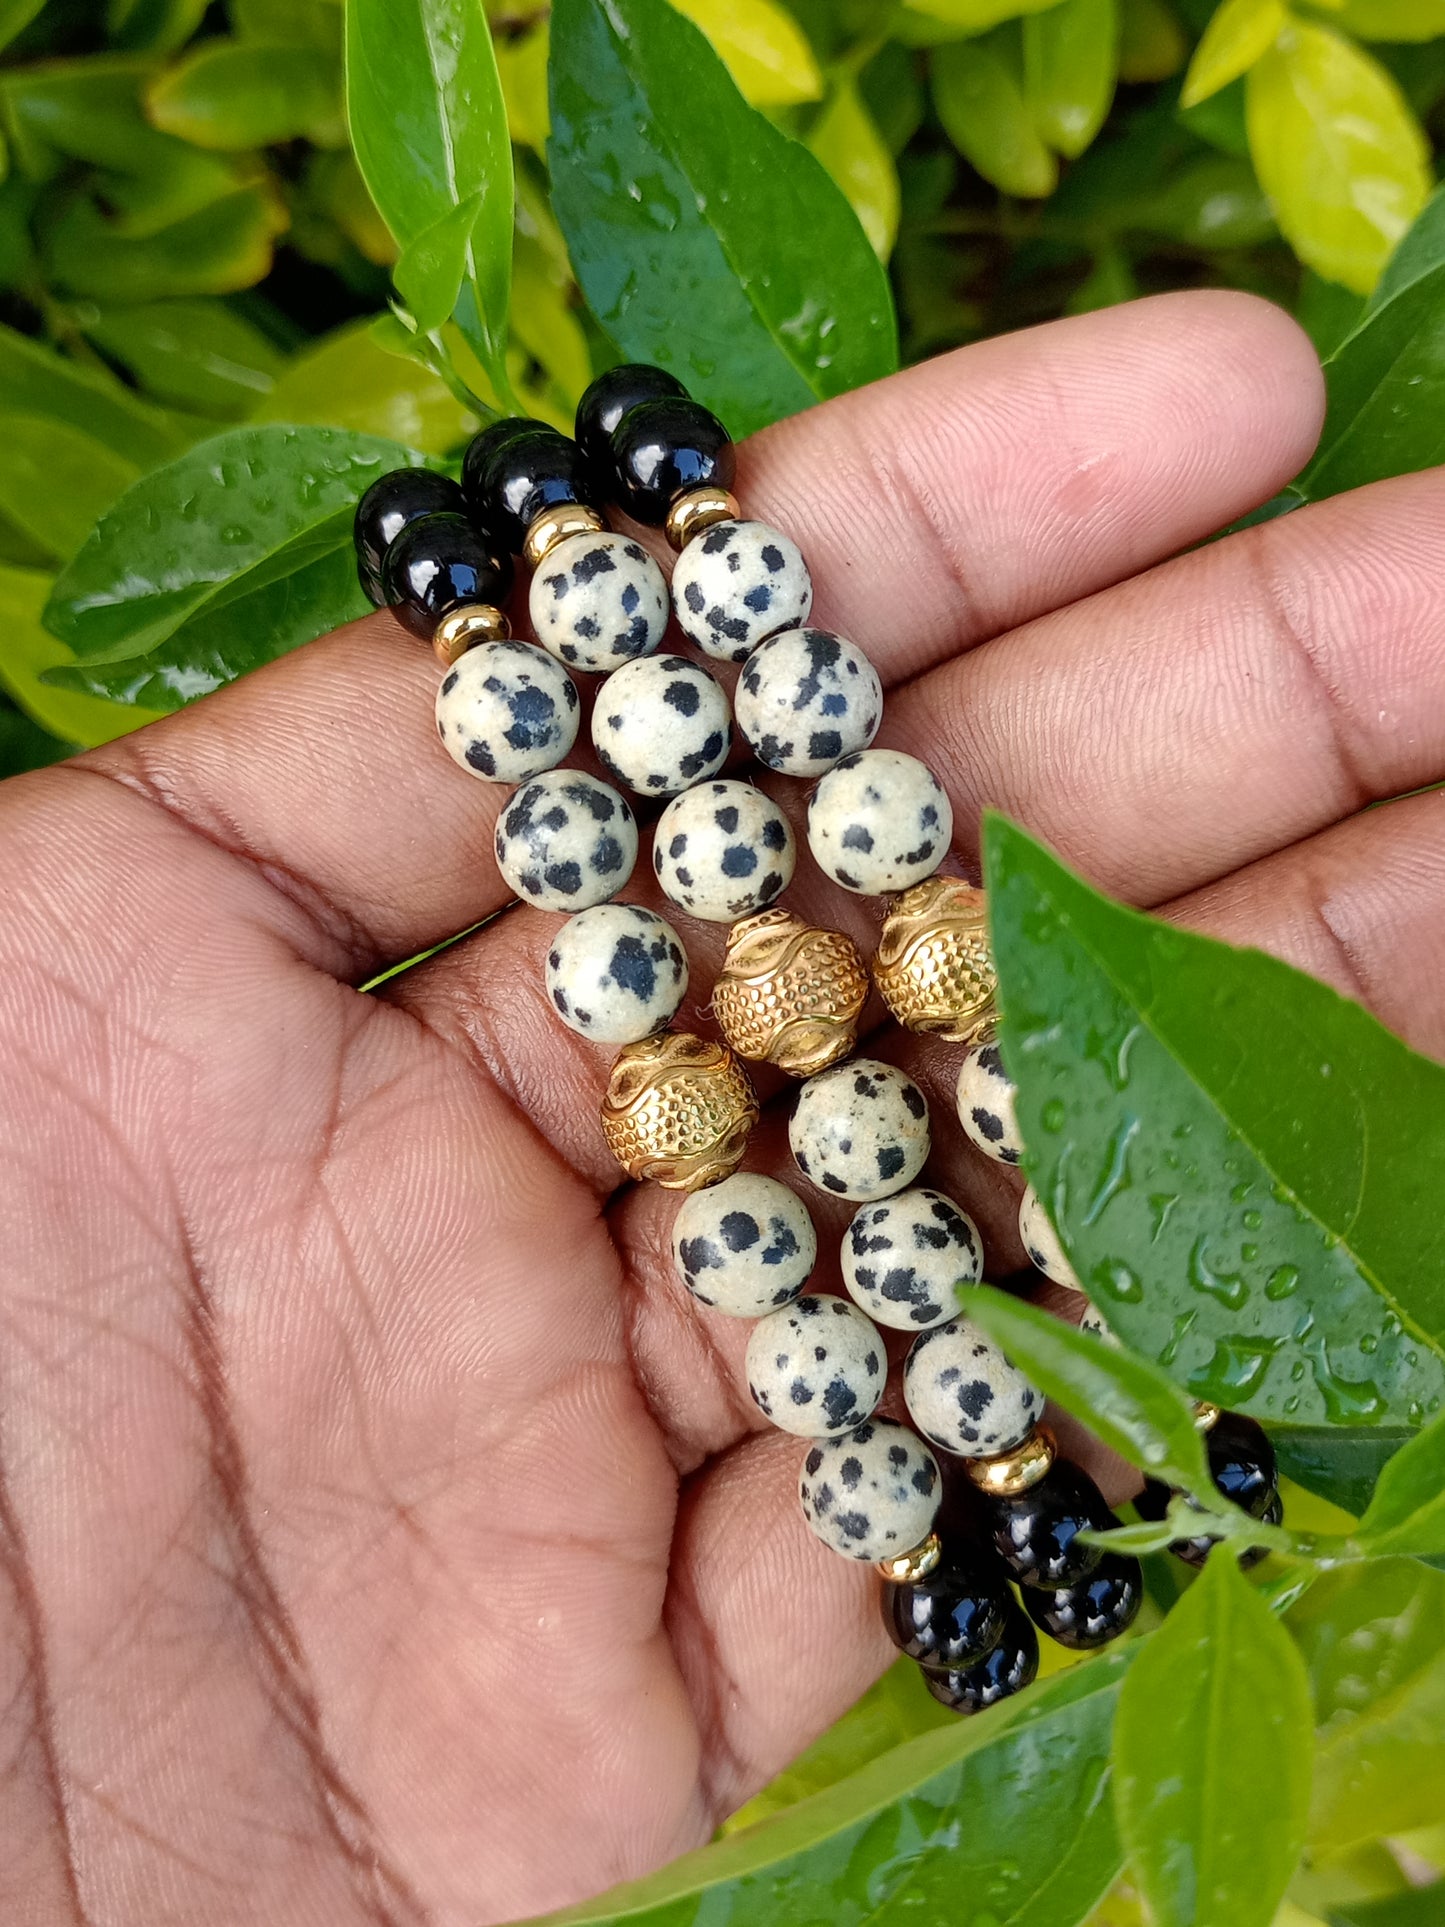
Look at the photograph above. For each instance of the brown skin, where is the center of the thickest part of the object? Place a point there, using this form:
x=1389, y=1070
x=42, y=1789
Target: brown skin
x=384, y=1536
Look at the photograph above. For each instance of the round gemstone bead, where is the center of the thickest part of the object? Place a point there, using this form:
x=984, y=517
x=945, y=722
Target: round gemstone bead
x=510, y=474
x=1153, y=1503
x=660, y=448
x=616, y=973
x=952, y=1618
x=1042, y=1243
x=436, y=564
x=402, y=495
x=1036, y=1533
x=1012, y=1664
x=608, y=399
x=1242, y=1462
x=1095, y=1610
x=860, y=1130
x=806, y=699
x=903, y=1259
x=745, y=1247
x=661, y=724
x=723, y=850
x=986, y=1097
x=872, y=1493
x=506, y=712
x=736, y=583
x=598, y=601
x=816, y=1367
x=964, y=1395
x=565, y=841
x=879, y=821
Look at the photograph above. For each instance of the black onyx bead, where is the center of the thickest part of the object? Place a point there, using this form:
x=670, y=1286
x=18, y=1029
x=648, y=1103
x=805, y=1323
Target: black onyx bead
x=608, y=399
x=662, y=448
x=953, y=1617
x=402, y=495
x=515, y=469
x=1036, y=1532
x=1194, y=1552
x=1007, y=1669
x=1242, y=1462
x=435, y=565
x=1093, y=1612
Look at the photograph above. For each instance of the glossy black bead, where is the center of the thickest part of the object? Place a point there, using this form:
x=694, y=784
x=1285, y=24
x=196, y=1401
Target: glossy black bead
x=1093, y=1612
x=1153, y=1503
x=1035, y=1533
x=609, y=398
x=435, y=565
x=402, y=495
x=1013, y=1662
x=1242, y=1462
x=663, y=447
x=954, y=1616
x=515, y=469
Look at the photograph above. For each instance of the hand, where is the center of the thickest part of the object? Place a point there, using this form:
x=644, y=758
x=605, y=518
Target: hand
x=384, y=1534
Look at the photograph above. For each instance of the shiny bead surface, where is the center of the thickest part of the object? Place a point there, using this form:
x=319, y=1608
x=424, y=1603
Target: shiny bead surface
x=697, y=509
x=860, y=1130
x=608, y=399
x=566, y=841
x=555, y=526
x=466, y=628
x=872, y=1494
x=1036, y=1532
x=1011, y=1666
x=1006, y=1474
x=964, y=1395
x=506, y=712
x=816, y=1368
x=955, y=1616
x=660, y=448
x=661, y=724
x=616, y=973
x=1242, y=1462
x=903, y=1259
x=723, y=850
x=788, y=994
x=510, y=478
x=934, y=967
x=879, y=821
x=437, y=564
x=402, y=495
x=1154, y=1501
x=736, y=583
x=1094, y=1611
x=1042, y=1243
x=986, y=1097
x=806, y=699
x=597, y=601
x=678, y=1111
x=745, y=1247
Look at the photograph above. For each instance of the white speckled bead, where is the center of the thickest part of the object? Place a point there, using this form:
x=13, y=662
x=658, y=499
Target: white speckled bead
x=506, y=711
x=964, y=1395
x=723, y=850
x=746, y=1246
x=1095, y=1322
x=878, y=821
x=860, y=1130
x=807, y=698
x=817, y=1367
x=902, y=1259
x=566, y=841
x=616, y=973
x=986, y=1095
x=597, y=601
x=1041, y=1242
x=661, y=724
x=736, y=583
x=873, y=1493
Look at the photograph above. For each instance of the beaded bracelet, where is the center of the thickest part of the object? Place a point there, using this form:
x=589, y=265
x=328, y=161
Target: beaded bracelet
x=679, y=1108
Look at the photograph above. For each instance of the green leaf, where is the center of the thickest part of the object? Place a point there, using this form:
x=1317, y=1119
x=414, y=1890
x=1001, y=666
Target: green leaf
x=704, y=239
x=1212, y=1758
x=1238, y=35
x=1392, y=19
x=1152, y=45
x=1407, y=1512
x=1337, y=150
x=544, y=320
x=848, y=144
x=431, y=268
x=1071, y=64
x=522, y=69
x=198, y=354
x=973, y=16
x=762, y=47
x=15, y=16
x=226, y=245
x=346, y=380
x=236, y=512
x=27, y=652
x=1423, y=1907
x=233, y=94
x=1339, y=1463
x=56, y=481
x=295, y=23
x=37, y=381
x=1270, y=1237
x=979, y=98
x=429, y=127
x=156, y=25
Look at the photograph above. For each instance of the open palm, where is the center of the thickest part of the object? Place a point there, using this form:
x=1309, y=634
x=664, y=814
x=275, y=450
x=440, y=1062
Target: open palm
x=384, y=1534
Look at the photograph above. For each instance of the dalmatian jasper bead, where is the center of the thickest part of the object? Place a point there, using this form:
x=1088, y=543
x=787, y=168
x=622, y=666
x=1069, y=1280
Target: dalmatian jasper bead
x=616, y=973
x=817, y=1367
x=661, y=724
x=723, y=850
x=807, y=698
x=964, y=1395
x=1095, y=1323
x=986, y=1095
x=1041, y=1242
x=860, y=1130
x=745, y=1247
x=873, y=1493
x=506, y=712
x=597, y=601
x=902, y=1259
x=736, y=583
x=566, y=841
x=879, y=821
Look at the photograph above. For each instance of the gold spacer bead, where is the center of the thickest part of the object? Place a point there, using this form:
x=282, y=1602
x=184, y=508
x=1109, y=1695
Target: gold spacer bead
x=464, y=628
x=788, y=994
x=554, y=525
x=1009, y=1473
x=934, y=966
x=697, y=510
x=678, y=1110
x=906, y=1567
x=1206, y=1416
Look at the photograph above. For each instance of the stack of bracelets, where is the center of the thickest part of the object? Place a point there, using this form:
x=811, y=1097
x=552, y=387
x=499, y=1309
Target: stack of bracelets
x=678, y=1108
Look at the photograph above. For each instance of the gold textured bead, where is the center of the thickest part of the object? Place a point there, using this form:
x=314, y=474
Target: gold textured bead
x=1009, y=1473
x=906, y=1568
x=697, y=510
x=554, y=525
x=788, y=994
x=1206, y=1416
x=934, y=965
x=678, y=1110
x=464, y=628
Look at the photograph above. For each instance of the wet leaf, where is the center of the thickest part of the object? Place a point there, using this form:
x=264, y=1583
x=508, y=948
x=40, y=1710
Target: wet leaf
x=431, y=268
x=849, y=145
x=27, y=652
x=1237, y=35
x=1422, y=1907
x=345, y=380
x=24, y=744
x=1340, y=1463
x=978, y=94
x=226, y=245
x=56, y=481
x=197, y=354
x=1407, y=1511
x=762, y=47
x=1071, y=63
x=36, y=380
x=236, y=94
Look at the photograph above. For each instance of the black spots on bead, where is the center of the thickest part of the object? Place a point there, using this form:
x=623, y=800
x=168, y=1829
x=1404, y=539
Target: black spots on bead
x=987, y=1124
x=845, y=1145
x=914, y=1100
x=481, y=757
x=716, y=539
x=559, y=998
x=857, y=837
x=850, y=1473
x=840, y=1402
x=800, y=1391
x=593, y=563
x=449, y=682
x=707, y=757
x=775, y=834
x=772, y=557
x=698, y=1255
x=607, y=856
x=833, y=1182
x=682, y=696
x=800, y=1158
x=814, y=1462
x=852, y=762
x=974, y=1396
x=925, y=1478
x=565, y=878
x=923, y=853
x=738, y=859
x=740, y=1231
x=848, y=880
x=823, y=745
x=782, y=1242
x=891, y=1160
x=853, y=1525
x=534, y=718
x=632, y=969
x=752, y=676
x=678, y=846
x=587, y=627
x=726, y=819
x=759, y=600
x=928, y=816
x=693, y=596
x=771, y=884
x=864, y=1085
